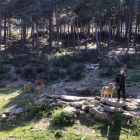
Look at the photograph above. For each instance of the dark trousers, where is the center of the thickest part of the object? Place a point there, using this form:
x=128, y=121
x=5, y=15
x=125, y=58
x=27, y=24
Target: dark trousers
x=122, y=88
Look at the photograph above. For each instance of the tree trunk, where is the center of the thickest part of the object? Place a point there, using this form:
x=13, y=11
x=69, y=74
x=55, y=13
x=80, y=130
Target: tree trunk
x=92, y=27
x=60, y=31
x=100, y=33
x=57, y=29
x=9, y=26
x=135, y=32
x=105, y=32
x=118, y=32
x=97, y=42
x=5, y=29
x=74, y=34
x=24, y=35
x=37, y=40
x=86, y=33
x=68, y=35
x=109, y=37
x=129, y=26
x=78, y=35
x=50, y=28
x=114, y=34
x=33, y=40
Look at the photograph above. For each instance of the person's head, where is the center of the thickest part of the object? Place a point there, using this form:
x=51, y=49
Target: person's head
x=122, y=71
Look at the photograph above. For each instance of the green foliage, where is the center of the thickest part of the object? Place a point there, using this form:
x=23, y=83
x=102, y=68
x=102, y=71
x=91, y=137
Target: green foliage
x=78, y=72
x=62, y=117
x=55, y=74
x=2, y=85
x=131, y=60
x=58, y=134
x=28, y=72
x=117, y=117
x=40, y=69
x=135, y=124
x=3, y=69
x=17, y=70
x=135, y=76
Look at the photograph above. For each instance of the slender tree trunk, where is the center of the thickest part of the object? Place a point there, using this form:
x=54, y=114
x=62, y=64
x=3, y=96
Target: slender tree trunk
x=57, y=30
x=97, y=42
x=105, y=32
x=24, y=35
x=100, y=33
x=50, y=28
x=5, y=30
x=78, y=35
x=86, y=33
x=64, y=29
x=118, y=32
x=135, y=32
x=114, y=34
x=74, y=34
x=37, y=39
x=129, y=26
x=60, y=31
x=71, y=35
x=68, y=35
x=33, y=40
x=121, y=30
x=109, y=37
x=92, y=27
x=9, y=26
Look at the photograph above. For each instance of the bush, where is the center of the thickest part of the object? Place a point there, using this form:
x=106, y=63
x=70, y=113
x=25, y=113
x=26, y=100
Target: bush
x=2, y=85
x=135, y=123
x=3, y=69
x=17, y=70
x=131, y=60
x=58, y=134
x=27, y=72
x=55, y=74
x=40, y=69
x=135, y=76
x=78, y=72
x=62, y=117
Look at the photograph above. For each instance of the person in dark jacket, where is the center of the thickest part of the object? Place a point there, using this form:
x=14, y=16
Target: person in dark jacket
x=120, y=80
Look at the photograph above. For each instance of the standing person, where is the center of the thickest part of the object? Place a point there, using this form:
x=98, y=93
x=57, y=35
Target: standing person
x=120, y=80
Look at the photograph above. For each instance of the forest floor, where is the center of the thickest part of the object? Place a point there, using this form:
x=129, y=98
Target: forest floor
x=32, y=125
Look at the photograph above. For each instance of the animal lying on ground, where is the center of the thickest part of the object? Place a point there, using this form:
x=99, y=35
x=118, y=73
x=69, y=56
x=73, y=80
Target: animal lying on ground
x=54, y=89
x=28, y=87
x=40, y=81
x=40, y=88
x=108, y=90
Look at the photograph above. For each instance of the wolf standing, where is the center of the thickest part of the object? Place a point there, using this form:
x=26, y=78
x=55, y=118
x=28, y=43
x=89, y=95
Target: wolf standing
x=120, y=80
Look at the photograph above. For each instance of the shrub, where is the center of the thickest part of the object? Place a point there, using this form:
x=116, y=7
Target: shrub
x=78, y=72
x=62, y=117
x=58, y=134
x=3, y=69
x=2, y=85
x=135, y=76
x=135, y=123
x=2, y=77
x=17, y=70
x=27, y=72
x=40, y=69
x=70, y=70
x=131, y=60
x=55, y=74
